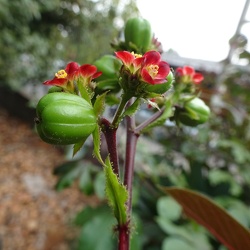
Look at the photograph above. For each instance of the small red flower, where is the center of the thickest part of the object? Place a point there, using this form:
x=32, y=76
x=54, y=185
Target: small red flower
x=149, y=68
x=88, y=71
x=189, y=75
x=64, y=75
x=154, y=71
x=71, y=72
x=131, y=61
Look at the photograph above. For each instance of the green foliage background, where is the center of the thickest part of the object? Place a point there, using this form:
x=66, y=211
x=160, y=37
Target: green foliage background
x=39, y=37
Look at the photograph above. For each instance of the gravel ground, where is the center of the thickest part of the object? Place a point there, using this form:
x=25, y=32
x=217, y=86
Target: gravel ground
x=33, y=216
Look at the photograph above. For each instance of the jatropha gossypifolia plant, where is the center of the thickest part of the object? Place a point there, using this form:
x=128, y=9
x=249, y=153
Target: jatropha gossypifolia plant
x=134, y=76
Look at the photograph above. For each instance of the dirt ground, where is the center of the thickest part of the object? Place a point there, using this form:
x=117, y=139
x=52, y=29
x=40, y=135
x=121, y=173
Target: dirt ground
x=33, y=216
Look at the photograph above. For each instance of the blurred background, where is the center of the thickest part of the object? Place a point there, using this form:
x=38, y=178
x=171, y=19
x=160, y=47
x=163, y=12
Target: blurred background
x=49, y=201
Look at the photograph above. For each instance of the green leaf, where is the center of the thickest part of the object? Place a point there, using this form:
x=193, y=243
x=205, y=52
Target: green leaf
x=185, y=233
x=108, y=84
x=99, y=183
x=78, y=146
x=97, y=144
x=100, y=104
x=76, y=170
x=69, y=172
x=203, y=210
x=217, y=176
x=96, y=220
x=173, y=211
x=238, y=149
x=174, y=243
x=130, y=110
x=84, y=91
x=116, y=193
x=85, y=180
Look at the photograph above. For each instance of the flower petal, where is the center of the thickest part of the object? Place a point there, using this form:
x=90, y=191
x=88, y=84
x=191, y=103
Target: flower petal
x=146, y=77
x=163, y=70
x=71, y=69
x=198, y=78
x=187, y=70
x=56, y=81
x=126, y=57
x=87, y=70
x=179, y=71
x=97, y=74
x=152, y=57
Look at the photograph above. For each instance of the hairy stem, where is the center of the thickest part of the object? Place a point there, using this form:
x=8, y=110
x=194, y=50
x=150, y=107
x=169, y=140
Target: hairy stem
x=110, y=136
x=123, y=237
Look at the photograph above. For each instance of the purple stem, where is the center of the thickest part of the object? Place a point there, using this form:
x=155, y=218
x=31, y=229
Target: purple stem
x=132, y=138
x=110, y=136
x=123, y=237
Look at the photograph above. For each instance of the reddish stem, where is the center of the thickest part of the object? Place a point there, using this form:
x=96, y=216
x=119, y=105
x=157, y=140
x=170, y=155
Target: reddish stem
x=123, y=237
x=110, y=136
x=131, y=142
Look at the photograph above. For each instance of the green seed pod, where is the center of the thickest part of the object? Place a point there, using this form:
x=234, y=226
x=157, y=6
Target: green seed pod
x=55, y=89
x=138, y=32
x=195, y=112
x=64, y=118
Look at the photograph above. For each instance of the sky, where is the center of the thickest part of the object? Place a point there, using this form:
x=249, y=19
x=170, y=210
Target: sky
x=197, y=29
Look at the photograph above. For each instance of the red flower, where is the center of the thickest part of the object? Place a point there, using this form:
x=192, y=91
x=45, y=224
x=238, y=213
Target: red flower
x=130, y=60
x=64, y=75
x=189, y=75
x=88, y=71
x=149, y=67
x=71, y=72
x=154, y=71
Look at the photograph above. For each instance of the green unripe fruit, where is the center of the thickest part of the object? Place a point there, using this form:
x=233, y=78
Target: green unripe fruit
x=64, y=118
x=55, y=89
x=138, y=32
x=162, y=87
x=195, y=112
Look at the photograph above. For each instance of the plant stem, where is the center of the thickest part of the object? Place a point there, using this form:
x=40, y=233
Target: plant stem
x=124, y=230
x=116, y=120
x=148, y=121
x=110, y=136
x=131, y=142
x=123, y=237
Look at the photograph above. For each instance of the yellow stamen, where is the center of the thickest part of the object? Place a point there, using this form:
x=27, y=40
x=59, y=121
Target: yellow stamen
x=136, y=55
x=153, y=70
x=61, y=74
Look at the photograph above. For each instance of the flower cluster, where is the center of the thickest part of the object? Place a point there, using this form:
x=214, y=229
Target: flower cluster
x=188, y=74
x=147, y=68
x=64, y=78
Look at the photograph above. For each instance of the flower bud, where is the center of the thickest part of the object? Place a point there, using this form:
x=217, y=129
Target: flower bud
x=64, y=118
x=138, y=34
x=195, y=112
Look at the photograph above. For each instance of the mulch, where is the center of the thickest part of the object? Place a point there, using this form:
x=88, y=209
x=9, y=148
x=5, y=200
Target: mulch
x=33, y=216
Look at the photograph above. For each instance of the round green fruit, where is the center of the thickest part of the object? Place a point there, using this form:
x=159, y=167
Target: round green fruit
x=64, y=118
x=138, y=32
x=195, y=112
